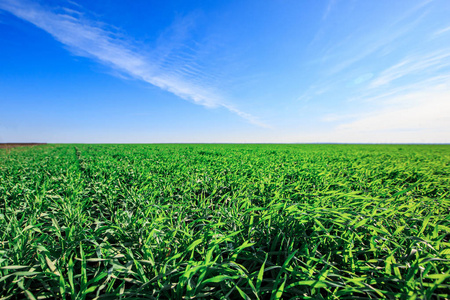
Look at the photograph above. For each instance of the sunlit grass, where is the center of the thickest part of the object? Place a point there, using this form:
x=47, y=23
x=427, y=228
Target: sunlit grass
x=225, y=221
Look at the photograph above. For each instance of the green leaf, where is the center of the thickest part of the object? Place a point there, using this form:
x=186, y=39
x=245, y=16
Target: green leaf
x=13, y=267
x=279, y=292
x=261, y=274
x=219, y=278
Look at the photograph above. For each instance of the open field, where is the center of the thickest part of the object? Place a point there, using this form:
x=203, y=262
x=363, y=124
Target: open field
x=225, y=221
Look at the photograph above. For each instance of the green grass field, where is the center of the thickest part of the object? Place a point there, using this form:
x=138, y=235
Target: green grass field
x=225, y=222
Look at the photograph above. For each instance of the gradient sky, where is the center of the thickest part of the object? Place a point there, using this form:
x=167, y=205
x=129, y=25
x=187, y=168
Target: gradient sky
x=225, y=71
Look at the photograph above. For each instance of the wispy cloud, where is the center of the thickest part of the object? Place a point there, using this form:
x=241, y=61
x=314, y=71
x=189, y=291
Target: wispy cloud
x=365, y=42
x=432, y=62
x=441, y=31
x=406, y=117
x=169, y=69
x=382, y=94
x=416, y=111
x=329, y=8
x=391, y=88
x=371, y=45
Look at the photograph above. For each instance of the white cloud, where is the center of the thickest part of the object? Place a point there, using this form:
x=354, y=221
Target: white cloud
x=422, y=116
x=412, y=65
x=441, y=31
x=360, y=46
x=416, y=111
x=328, y=9
x=86, y=38
x=337, y=117
x=408, y=101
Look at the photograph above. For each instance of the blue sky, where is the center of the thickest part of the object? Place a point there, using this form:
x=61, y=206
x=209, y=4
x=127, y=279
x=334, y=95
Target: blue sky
x=225, y=71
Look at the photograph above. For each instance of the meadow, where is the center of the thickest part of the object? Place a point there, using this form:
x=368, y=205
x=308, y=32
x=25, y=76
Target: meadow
x=182, y=221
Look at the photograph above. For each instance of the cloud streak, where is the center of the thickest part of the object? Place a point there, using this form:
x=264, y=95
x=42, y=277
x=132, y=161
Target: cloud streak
x=417, y=111
x=441, y=31
x=403, y=115
x=391, y=88
x=86, y=38
x=351, y=50
x=328, y=9
x=432, y=62
x=404, y=118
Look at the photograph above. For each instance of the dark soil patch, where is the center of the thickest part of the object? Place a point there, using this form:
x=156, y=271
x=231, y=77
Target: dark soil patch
x=12, y=145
